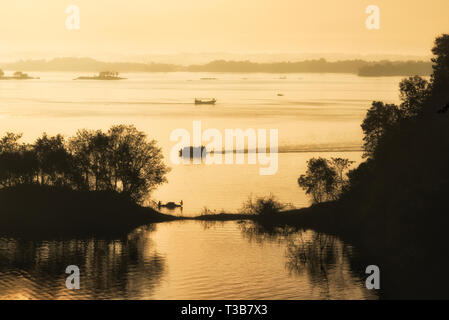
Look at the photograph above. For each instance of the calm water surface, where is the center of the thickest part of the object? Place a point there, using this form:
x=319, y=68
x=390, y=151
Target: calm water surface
x=184, y=260
x=318, y=115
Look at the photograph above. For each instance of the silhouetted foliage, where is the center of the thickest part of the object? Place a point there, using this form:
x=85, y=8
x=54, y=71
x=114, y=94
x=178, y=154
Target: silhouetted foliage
x=440, y=76
x=413, y=93
x=396, y=201
x=120, y=160
x=20, y=74
x=325, y=179
x=108, y=74
x=263, y=206
x=360, y=67
x=88, y=65
x=380, y=118
x=340, y=166
x=399, y=68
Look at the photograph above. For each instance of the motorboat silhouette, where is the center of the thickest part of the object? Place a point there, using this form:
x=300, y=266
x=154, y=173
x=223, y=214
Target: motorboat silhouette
x=205, y=101
x=192, y=152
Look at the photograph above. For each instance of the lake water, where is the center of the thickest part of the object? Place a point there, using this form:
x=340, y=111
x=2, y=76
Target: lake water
x=184, y=260
x=318, y=115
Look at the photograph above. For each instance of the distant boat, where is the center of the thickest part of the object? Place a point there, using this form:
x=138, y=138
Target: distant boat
x=208, y=78
x=192, y=152
x=283, y=78
x=205, y=101
x=280, y=95
x=170, y=205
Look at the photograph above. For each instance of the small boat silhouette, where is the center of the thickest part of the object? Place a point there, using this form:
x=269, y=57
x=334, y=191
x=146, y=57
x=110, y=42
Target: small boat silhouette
x=205, y=101
x=170, y=205
x=192, y=152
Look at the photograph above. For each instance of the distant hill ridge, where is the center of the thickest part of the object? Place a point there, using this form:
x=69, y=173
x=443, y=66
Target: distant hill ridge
x=360, y=67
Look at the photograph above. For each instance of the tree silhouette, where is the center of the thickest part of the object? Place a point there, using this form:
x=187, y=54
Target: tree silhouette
x=413, y=93
x=120, y=160
x=137, y=164
x=53, y=160
x=379, y=119
x=341, y=165
x=320, y=180
x=396, y=201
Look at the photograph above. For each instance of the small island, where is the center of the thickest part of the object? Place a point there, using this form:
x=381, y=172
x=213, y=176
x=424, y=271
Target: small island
x=104, y=75
x=18, y=75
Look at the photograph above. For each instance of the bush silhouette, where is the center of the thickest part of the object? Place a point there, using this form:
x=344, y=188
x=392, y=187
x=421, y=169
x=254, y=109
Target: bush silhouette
x=263, y=206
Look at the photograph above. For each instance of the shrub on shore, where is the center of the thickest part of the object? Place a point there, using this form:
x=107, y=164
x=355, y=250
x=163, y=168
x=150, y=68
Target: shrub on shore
x=263, y=206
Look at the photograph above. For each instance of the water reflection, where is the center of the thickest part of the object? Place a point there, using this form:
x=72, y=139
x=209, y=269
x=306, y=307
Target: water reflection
x=323, y=259
x=184, y=260
x=313, y=253
x=260, y=233
x=124, y=268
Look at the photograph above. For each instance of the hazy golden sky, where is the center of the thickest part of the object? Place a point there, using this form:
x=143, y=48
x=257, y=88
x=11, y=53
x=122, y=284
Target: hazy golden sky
x=172, y=26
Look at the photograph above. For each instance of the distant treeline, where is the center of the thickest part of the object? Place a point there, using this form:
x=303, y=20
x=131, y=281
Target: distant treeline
x=360, y=67
x=86, y=65
x=312, y=66
x=388, y=68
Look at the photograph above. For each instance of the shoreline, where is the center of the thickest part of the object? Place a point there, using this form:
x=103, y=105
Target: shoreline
x=62, y=211
x=19, y=78
x=112, y=216
x=350, y=66
x=285, y=73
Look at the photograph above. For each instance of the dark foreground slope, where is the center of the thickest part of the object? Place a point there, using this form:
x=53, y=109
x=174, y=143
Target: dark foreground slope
x=43, y=210
x=411, y=253
x=395, y=205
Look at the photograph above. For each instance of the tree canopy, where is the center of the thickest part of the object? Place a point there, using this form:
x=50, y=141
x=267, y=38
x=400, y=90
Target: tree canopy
x=396, y=200
x=325, y=179
x=121, y=160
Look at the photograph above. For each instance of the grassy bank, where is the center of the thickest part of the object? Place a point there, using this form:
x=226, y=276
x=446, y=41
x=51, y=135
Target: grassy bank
x=44, y=210
x=320, y=217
